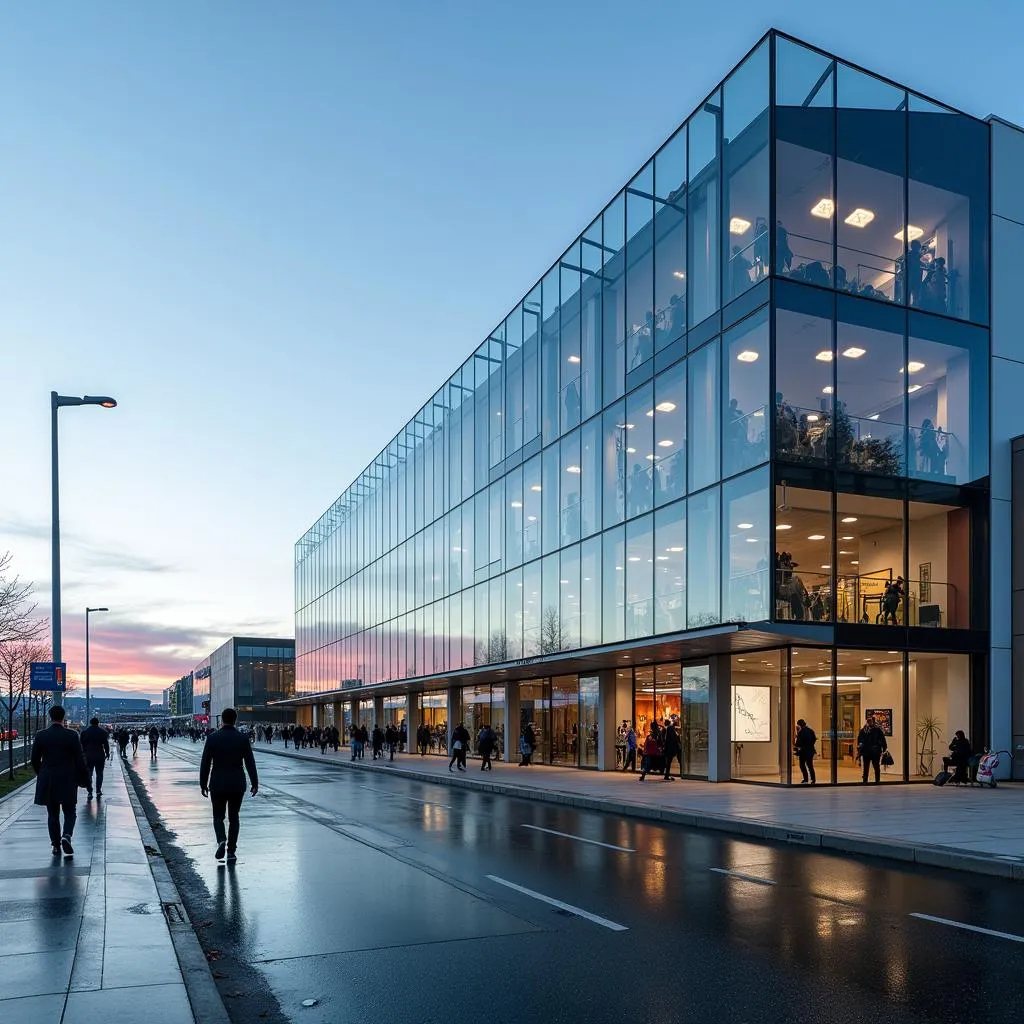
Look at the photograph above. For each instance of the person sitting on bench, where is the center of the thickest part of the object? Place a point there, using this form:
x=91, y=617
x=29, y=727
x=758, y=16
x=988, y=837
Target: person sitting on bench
x=959, y=757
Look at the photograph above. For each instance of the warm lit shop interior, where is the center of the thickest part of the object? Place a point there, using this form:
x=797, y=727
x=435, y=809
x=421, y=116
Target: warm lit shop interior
x=918, y=703
x=836, y=554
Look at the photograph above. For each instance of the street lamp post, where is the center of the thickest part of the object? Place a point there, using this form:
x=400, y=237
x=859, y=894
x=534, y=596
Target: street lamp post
x=58, y=402
x=88, y=704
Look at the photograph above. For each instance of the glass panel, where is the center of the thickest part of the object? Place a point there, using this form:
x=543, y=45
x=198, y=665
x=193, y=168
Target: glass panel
x=549, y=357
x=532, y=507
x=590, y=592
x=702, y=206
x=939, y=583
x=745, y=159
x=569, y=598
x=804, y=163
x=640, y=268
x=476, y=712
x=644, y=712
x=551, y=620
x=670, y=241
x=571, y=471
x=549, y=498
x=756, y=717
x=590, y=692
x=947, y=230
x=615, y=444
x=871, y=722
x=703, y=412
x=745, y=566
x=670, y=434
x=565, y=720
x=670, y=568
x=570, y=360
x=947, y=399
x=702, y=569
x=514, y=614
x=872, y=151
x=514, y=381
x=614, y=299
x=804, y=386
x=803, y=559
x=531, y=609
x=513, y=518
x=592, y=260
x=870, y=531
x=613, y=602
x=498, y=719
x=745, y=373
x=870, y=413
x=640, y=577
x=640, y=451
x=696, y=691
x=535, y=713
x=590, y=477
x=531, y=364
x=625, y=745
x=940, y=705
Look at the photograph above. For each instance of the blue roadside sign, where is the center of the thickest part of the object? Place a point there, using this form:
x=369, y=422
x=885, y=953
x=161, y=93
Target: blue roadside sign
x=47, y=675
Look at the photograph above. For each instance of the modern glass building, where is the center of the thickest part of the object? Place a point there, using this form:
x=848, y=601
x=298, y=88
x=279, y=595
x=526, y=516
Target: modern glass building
x=727, y=462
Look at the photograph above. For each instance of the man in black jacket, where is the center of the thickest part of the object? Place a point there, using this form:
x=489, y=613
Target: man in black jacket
x=804, y=747
x=222, y=779
x=96, y=747
x=870, y=746
x=59, y=764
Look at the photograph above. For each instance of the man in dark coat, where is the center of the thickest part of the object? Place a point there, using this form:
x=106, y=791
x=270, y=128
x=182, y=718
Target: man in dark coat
x=870, y=747
x=221, y=778
x=96, y=747
x=673, y=749
x=804, y=747
x=59, y=764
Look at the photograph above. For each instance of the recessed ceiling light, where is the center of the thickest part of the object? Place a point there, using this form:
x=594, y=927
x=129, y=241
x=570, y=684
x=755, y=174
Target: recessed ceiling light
x=846, y=538
x=824, y=356
x=574, y=359
x=913, y=366
x=666, y=406
x=853, y=352
x=744, y=526
x=631, y=451
x=913, y=231
x=752, y=540
x=650, y=457
x=517, y=504
x=873, y=417
x=860, y=218
x=849, y=519
x=892, y=652
x=534, y=487
x=853, y=561
x=826, y=567
x=665, y=444
x=913, y=388
x=816, y=536
x=823, y=208
x=573, y=469
x=846, y=552
x=677, y=548
x=650, y=412
x=827, y=390
x=633, y=558
x=747, y=356
x=812, y=417
x=783, y=526
x=679, y=274
x=531, y=519
x=738, y=226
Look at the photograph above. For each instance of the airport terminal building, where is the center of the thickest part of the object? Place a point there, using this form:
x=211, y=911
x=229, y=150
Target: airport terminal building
x=742, y=456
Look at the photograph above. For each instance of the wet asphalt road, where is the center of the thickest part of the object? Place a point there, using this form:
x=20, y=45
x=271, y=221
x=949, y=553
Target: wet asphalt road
x=387, y=899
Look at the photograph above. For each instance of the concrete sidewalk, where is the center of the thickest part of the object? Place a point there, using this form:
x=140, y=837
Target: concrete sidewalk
x=87, y=938
x=968, y=829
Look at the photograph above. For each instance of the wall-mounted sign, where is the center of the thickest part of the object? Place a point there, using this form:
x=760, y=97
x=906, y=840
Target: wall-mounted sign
x=351, y=684
x=203, y=673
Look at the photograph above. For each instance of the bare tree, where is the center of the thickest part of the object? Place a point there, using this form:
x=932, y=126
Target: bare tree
x=552, y=636
x=16, y=658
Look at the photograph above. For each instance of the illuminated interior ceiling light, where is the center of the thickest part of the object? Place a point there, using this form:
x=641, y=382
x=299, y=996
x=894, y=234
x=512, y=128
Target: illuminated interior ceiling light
x=633, y=558
x=913, y=232
x=824, y=356
x=860, y=218
x=812, y=417
x=853, y=561
x=666, y=406
x=913, y=388
x=630, y=426
x=849, y=519
x=873, y=416
x=531, y=519
x=662, y=558
x=823, y=208
x=747, y=356
x=651, y=457
x=816, y=536
x=853, y=352
x=665, y=443
x=679, y=274
x=631, y=451
x=744, y=526
x=846, y=552
x=753, y=540
x=847, y=538
x=783, y=526
x=676, y=549
x=913, y=367
x=573, y=469
x=574, y=359
x=827, y=680
x=826, y=567
x=517, y=504
x=535, y=487
x=738, y=226
x=827, y=390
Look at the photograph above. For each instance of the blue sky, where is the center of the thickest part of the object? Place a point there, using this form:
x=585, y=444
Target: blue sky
x=271, y=228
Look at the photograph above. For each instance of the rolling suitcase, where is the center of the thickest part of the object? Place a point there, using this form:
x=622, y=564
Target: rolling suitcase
x=942, y=778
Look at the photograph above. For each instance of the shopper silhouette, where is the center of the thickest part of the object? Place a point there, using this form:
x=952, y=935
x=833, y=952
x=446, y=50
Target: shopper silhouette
x=221, y=777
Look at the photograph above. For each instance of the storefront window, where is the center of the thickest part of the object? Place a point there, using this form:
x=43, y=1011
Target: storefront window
x=433, y=708
x=759, y=743
x=497, y=722
x=367, y=715
x=535, y=711
x=695, y=725
x=395, y=711
x=589, y=730
x=870, y=536
x=803, y=559
x=565, y=723
x=476, y=711
x=940, y=704
x=938, y=587
x=871, y=726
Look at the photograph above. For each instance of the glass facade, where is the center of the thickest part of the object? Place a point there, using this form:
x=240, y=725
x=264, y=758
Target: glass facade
x=753, y=391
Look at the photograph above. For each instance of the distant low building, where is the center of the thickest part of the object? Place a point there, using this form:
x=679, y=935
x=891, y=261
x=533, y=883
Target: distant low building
x=106, y=707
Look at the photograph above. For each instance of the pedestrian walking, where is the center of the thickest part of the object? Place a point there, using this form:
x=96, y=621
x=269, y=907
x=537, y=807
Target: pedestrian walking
x=391, y=739
x=673, y=749
x=870, y=747
x=122, y=743
x=485, y=743
x=59, y=764
x=803, y=747
x=527, y=745
x=222, y=778
x=378, y=742
x=135, y=742
x=96, y=748
x=630, y=762
x=460, y=740
x=154, y=739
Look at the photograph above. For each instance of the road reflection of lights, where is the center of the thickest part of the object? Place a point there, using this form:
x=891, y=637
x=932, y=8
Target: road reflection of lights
x=825, y=925
x=654, y=880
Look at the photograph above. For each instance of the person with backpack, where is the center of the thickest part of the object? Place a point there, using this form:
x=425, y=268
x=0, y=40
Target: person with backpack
x=485, y=743
x=527, y=745
x=870, y=747
x=803, y=747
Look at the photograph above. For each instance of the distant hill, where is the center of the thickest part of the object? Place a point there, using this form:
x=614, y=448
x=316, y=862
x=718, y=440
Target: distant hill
x=111, y=691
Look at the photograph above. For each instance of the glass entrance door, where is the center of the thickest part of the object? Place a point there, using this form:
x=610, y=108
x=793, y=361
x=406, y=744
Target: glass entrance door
x=565, y=720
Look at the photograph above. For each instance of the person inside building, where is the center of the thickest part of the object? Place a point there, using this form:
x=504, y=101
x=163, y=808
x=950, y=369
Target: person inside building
x=870, y=747
x=804, y=748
